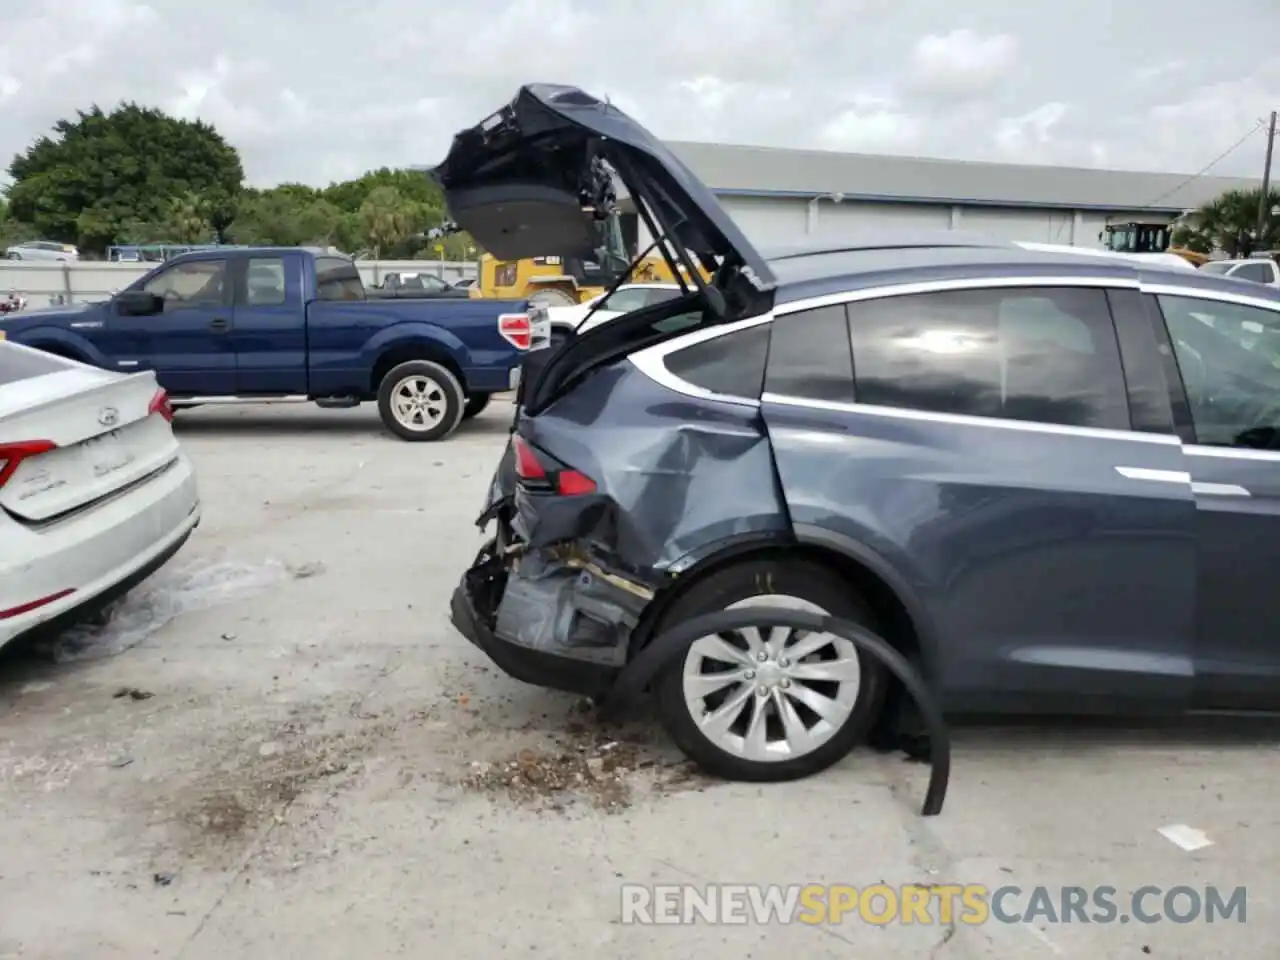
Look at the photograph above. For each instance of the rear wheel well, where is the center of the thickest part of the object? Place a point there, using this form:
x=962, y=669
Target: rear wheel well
x=892, y=618
x=417, y=350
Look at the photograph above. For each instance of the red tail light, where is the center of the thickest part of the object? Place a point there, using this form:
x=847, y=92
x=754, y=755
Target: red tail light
x=12, y=455
x=528, y=466
x=516, y=329
x=160, y=404
x=571, y=483
x=565, y=481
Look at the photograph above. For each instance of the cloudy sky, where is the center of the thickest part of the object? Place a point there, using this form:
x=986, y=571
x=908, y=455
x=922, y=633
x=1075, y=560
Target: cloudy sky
x=318, y=90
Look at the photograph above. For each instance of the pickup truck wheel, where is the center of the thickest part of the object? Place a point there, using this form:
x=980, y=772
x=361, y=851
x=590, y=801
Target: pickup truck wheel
x=476, y=402
x=420, y=400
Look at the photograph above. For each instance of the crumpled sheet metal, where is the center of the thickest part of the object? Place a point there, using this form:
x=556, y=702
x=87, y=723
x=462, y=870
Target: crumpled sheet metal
x=672, y=476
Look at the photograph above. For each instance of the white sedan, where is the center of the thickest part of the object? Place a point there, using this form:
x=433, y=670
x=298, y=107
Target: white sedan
x=628, y=297
x=95, y=493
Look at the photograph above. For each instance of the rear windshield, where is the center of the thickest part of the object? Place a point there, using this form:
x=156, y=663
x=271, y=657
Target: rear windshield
x=1220, y=266
x=19, y=364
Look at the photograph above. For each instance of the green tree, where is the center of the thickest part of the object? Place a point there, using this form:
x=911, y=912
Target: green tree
x=288, y=215
x=101, y=175
x=1229, y=223
x=388, y=220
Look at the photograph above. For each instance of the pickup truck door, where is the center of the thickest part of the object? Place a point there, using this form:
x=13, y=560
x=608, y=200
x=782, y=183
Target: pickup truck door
x=270, y=336
x=1224, y=371
x=188, y=345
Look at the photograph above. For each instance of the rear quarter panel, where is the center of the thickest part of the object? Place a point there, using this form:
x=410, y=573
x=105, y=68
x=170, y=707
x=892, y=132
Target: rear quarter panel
x=346, y=339
x=675, y=475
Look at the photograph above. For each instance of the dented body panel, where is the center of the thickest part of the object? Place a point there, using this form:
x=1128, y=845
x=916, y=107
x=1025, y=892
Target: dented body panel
x=675, y=478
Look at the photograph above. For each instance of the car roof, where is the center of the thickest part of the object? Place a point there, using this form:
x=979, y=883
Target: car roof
x=850, y=264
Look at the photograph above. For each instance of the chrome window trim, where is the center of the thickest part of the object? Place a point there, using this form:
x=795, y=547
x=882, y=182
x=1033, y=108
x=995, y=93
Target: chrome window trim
x=1202, y=293
x=965, y=420
x=650, y=361
x=942, y=286
x=1232, y=453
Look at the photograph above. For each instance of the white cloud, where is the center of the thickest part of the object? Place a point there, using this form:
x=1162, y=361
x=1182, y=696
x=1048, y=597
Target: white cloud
x=962, y=63
x=348, y=87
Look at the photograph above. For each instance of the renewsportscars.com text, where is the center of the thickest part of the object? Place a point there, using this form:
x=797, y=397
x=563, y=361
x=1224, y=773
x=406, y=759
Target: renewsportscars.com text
x=972, y=904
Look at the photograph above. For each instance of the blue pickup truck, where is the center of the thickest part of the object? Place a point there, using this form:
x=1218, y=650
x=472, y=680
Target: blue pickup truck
x=250, y=324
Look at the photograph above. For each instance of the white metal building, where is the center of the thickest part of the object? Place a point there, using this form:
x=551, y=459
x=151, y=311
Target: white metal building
x=782, y=196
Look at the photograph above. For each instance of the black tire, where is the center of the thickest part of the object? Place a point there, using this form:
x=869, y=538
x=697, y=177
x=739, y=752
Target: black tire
x=476, y=403
x=751, y=578
x=453, y=399
x=559, y=337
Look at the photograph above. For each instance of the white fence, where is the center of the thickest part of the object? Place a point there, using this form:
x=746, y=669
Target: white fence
x=87, y=280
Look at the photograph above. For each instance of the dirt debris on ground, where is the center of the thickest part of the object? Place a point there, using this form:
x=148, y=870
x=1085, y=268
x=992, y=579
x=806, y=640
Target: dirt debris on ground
x=605, y=766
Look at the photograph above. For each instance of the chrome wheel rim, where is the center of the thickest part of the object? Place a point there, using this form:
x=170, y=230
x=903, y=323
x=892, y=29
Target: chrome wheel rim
x=419, y=403
x=771, y=694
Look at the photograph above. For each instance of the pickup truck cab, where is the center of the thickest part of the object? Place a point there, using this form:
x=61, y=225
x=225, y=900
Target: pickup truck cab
x=244, y=325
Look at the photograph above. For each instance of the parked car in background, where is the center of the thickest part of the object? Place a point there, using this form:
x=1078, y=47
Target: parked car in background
x=1257, y=269
x=417, y=285
x=243, y=325
x=582, y=317
x=95, y=493
x=1050, y=480
x=47, y=250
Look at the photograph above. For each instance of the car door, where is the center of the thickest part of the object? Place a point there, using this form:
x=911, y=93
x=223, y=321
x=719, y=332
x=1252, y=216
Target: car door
x=975, y=445
x=1222, y=355
x=270, y=335
x=188, y=344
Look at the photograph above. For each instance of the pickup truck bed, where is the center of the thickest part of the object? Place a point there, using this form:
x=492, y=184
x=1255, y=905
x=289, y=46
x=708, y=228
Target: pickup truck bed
x=244, y=325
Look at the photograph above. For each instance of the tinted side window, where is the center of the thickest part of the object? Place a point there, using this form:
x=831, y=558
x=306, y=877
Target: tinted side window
x=660, y=295
x=732, y=364
x=1041, y=354
x=1229, y=359
x=1258, y=272
x=626, y=300
x=338, y=279
x=264, y=282
x=809, y=356
x=194, y=283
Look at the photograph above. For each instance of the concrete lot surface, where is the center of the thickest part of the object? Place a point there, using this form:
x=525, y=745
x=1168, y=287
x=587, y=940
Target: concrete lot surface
x=280, y=748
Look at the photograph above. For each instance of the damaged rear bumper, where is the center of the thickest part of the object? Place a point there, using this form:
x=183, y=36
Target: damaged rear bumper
x=549, y=619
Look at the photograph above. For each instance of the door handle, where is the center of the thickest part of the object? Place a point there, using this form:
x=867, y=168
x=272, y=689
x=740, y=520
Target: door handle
x=218, y=324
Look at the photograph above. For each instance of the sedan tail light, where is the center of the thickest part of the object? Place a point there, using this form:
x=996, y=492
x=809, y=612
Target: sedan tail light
x=12, y=455
x=544, y=475
x=160, y=404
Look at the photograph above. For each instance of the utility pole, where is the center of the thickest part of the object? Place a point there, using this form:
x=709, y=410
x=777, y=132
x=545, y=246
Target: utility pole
x=1264, y=200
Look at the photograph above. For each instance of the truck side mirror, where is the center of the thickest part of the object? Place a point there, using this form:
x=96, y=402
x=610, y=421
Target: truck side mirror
x=138, y=303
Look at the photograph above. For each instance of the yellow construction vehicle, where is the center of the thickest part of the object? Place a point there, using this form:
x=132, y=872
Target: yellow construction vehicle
x=1146, y=237
x=565, y=281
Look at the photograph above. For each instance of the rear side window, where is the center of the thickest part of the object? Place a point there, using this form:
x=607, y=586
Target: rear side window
x=1259, y=272
x=732, y=364
x=809, y=356
x=264, y=282
x=1047, y=355
x=338, y=279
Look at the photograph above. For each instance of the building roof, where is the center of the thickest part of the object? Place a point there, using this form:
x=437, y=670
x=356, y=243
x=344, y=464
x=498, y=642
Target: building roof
x=734, y=170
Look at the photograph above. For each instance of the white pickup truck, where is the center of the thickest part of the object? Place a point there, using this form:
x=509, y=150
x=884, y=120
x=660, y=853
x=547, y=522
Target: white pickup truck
x=1260, y=269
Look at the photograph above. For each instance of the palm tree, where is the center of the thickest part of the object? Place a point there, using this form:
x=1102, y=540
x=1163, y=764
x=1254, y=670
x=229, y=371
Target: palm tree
x=1229, y=223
